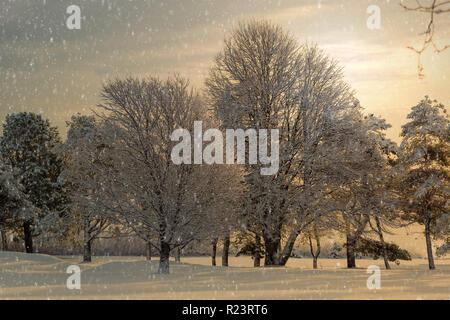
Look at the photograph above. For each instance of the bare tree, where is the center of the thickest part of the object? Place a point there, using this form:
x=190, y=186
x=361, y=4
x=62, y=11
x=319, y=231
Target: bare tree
x=144, y=188
x=434, y=8
x=311, y=235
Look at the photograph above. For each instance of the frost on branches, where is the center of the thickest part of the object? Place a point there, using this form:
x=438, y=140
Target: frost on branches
x=425, y=177
x=264, y=79
x=28, y=146
x=13, y=204
x=81, y=149
x=166, y=204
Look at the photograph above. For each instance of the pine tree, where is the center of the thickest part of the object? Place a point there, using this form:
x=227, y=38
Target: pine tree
x=335, y=252
x=424, y=162
x=28, y=146
x=13, y=205
x=375, y=249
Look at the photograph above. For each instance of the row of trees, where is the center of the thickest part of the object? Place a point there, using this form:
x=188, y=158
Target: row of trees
x=337, y=169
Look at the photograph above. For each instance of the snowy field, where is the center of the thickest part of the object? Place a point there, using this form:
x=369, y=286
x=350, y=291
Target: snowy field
x=44, y=277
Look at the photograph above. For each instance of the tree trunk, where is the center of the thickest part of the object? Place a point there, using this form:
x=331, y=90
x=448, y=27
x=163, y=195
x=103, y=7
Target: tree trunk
x=257, y=252
x=87, y=249
x=352, y=240
x=351, y=258
x=315, y=253
x=383, y=243
x=287, y=251
x=314, y=263
x=28, y=237
x=226, y=250
x=4, y=238
x=149, y=251
x=214, y=251
x=429, y=246
x=271, y=256
x=178, y=254
x=164, y=258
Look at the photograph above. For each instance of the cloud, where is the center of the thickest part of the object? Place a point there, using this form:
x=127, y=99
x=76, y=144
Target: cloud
x=47, y=68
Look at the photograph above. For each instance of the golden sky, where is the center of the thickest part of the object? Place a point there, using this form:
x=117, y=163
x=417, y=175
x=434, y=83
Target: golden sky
x=44, y=67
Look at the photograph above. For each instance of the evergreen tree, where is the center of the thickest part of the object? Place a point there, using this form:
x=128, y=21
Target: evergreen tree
x=424, y=164
x=376, y=249
x=13, y=205
x=28, y=146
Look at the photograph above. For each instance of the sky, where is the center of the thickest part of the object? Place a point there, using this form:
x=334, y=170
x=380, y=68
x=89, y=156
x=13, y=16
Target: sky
x=47, y=68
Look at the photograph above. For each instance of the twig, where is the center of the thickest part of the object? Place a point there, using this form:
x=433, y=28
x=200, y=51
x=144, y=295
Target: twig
x=435, y=8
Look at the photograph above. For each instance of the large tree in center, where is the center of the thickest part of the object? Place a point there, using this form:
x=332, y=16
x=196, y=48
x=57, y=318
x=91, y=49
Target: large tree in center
x=263, y=79
x=28, y=146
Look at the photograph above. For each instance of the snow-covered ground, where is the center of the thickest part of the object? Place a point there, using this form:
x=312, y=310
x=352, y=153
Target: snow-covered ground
x=37, y=276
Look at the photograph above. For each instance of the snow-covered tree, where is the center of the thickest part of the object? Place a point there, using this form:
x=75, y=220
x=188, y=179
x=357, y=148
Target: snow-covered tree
x=226, y=202
x=143, y=187
x=81, y=149
x=311, y=236
x=424, y=161
x=250, y=243
x=444, y=249
x=28, y=146
x=385, y=215
x=360, y=193
x=13, y=204
x=441, y=230
x=263, y=79
x=375, y=249
x=335, y=251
